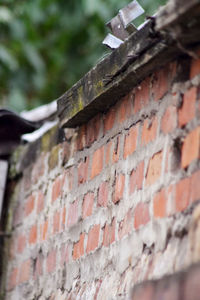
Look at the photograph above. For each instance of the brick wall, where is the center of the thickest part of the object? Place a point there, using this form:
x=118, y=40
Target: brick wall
x=115, y=203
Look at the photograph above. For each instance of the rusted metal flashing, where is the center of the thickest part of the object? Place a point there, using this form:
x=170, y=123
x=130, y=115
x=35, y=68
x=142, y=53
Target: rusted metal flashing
x=146, y=50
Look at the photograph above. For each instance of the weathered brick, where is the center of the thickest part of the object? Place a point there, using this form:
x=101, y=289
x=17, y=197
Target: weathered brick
x=195, y=187
x=109, y=120
x=38, y=270
x=51, y=261
x=45, y=230
x=83, y=171
x=72, y=214
x=13, y=279
x=40, y=202
x=142, y=93
x=169, y=120
x=195, y=66
x=191, y=288
x=38, y=169
x=21, y=243
x=108, y=152
x=92, y=131
x=141, y=215
x=116, y=151
x=57, y=188
x=130, y=141
x=79, y=247
x=160, y=83
x=149, y=131
x=63, y=217
x=97, y=162
x=126, y=225
x=143, y=292
x=119, y=188
x=160, y=204
x=33, y=235
x=88, y=203
x=81, y=138
x=187, y=111
x=69, y=179
x=93, y=238
x=56, y=222
x=29, y=205
x=103, y=194
x=109, y=233
x=191, y=146
x=125, y=108
x=136, y=178
x=25, y=271
x=182, y=197
x=64, y=254
x=154, y=168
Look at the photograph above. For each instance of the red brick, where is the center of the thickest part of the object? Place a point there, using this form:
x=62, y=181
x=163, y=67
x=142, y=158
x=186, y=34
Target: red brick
x=40, y=202
x=92, y=131
x=79, y=247
x=103, y=194
x=160, y=84
x=195, y=66
x=195, y=187
x=88, y=203
x=33, y=235
x=190, y=149
x=109, y=120
x=169, y=120
x=160, y=204
x=51, y=261
x=149, y=131
x=187, y=111
x=130, y=141
x=126, y=225
x=38, y=271
x=93, y=238
x=141, y=215
x=81, y=138
x=29, y=206
x=72, y=214
x=109, y=234
x=45, y=230
x=25, y=271
x=13, y=279
x=125, y=108
x=154, y=169
x=142, y=95
x=119, y=188
x=21, y=243
x=116, y=151
x=56, y=222
x=182, y=197
x=97, y=162
x=136, y=178
x=83, y=171
x=56, y=189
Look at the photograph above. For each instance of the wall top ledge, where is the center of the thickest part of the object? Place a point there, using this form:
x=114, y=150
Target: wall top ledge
x=170, y=34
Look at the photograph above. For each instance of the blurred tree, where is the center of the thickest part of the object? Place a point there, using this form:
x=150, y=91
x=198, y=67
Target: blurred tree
x=47, y=45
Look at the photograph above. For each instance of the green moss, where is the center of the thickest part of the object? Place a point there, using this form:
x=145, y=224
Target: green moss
x=47, y=139
x=14, y=161
x=53, y=158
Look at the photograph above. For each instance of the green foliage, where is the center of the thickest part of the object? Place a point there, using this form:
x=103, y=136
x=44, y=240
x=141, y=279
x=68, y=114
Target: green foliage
x=47, y=45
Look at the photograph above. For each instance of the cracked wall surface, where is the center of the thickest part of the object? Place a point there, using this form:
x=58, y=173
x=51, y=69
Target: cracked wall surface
x=97, y=209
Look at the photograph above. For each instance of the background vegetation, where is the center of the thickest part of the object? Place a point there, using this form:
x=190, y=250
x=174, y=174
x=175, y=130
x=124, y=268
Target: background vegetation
x=47, y=45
